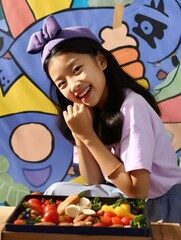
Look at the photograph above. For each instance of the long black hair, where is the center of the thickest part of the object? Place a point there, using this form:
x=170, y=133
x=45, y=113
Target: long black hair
x=107, y=122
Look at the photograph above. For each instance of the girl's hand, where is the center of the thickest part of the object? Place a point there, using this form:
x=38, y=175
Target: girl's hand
x=79, y=119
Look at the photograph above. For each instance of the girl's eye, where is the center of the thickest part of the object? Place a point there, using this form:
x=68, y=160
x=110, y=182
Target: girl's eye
x=61, y=84
x=76, y=70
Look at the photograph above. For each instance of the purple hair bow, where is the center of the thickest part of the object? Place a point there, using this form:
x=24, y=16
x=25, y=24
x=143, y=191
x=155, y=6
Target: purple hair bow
x=52, y=34
x=49, y=32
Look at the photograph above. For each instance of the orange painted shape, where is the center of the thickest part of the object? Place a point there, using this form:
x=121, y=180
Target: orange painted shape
x=125, y=55
x=134, y=69
x=18, y=15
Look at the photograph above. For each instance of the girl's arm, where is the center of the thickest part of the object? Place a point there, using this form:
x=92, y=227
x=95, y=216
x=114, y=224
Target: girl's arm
x=88, y=167
x=134, y=184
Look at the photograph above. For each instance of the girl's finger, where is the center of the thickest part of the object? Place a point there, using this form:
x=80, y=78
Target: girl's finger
x=76, y=107
x=65, y=115
x=70, y=109
x=81, y=107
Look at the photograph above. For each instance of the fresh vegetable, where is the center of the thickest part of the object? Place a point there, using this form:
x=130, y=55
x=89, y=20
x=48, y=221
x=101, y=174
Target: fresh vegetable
x=116, y=220
x=34, y=200
x=109, y=214
x=125, y=221
x=139, y=221
x=121, y=212
x=126, y=206
x=106, y=220
x=19, y=221
x=47, y=208
x=51, y=216
x=136, y=205
x=99, y=213
x=96, y=204
x=77, y=210
x=36, y=193
x=106, y=207
x=99, y=224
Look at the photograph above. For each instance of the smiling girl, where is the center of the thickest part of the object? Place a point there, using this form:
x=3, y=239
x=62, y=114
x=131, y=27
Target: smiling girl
x=113, y=122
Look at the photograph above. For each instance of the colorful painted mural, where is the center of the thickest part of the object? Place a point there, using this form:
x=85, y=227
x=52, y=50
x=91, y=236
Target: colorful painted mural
x=146, y=43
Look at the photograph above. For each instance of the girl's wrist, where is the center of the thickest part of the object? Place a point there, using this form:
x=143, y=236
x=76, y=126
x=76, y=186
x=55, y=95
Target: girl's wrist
x=116, y=171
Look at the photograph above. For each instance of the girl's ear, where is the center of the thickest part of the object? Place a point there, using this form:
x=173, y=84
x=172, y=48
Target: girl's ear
x=101, y=60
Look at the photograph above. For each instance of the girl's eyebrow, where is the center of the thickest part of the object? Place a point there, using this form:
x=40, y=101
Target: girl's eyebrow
x=71, y=62
x=68, y=65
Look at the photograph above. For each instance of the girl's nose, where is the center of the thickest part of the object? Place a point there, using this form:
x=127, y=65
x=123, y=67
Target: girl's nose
x=75, y=86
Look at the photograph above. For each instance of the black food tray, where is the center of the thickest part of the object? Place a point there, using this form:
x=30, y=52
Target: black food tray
x=86, y=230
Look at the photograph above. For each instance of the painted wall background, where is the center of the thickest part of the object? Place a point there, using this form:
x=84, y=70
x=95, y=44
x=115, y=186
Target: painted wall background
x=33, y=154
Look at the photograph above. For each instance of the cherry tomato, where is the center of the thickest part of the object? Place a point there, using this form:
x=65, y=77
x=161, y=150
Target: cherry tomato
x=116, y=220
x=19, y=221
x=106, y=220
x=34, y=200
x=109, y=214
x=99, y=224
x=57, y=202
x=36, y=207
x=99, y=213
x=35, y=193
x=43, y=200
x=126, y=220
x=46, y=208
x=49, y=202
x=51, y=216
x=68, y=219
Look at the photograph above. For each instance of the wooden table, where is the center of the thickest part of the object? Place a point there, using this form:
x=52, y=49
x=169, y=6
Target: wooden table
x=166, y=231
x=4, y=214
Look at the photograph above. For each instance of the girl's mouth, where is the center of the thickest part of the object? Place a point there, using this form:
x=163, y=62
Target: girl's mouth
x=84, y=93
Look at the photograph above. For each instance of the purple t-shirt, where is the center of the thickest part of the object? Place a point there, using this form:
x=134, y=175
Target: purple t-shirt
x=145, y=144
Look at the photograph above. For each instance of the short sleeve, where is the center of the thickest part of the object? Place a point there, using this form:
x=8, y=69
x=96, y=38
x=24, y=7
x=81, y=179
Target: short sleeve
x=138, y=141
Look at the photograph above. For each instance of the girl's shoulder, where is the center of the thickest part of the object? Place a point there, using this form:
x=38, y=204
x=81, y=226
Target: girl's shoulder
x=135, y=106
x=133, y=98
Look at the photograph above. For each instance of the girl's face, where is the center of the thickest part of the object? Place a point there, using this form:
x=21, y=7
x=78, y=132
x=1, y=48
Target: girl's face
x=80, y=77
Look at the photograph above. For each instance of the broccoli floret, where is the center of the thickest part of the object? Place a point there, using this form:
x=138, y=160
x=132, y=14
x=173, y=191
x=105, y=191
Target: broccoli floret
x=96, y=204
x=139, y=221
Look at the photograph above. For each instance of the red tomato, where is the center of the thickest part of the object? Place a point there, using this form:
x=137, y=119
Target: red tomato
x=46, y=208
x=34, y=200
x=35, y=193
x=99, y=224
x=19, y=221
x=116, y=220
x=48, y=202
x=43, y=200
x=51, y=216
x=106, y=220
x=36, y=207
x=68, y=219
x=57, y=202
x=100, y=213
x=126, y=220
x=109, y=214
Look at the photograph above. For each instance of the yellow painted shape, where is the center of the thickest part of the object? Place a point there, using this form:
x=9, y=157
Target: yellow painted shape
x=143, y=82
x=24, y=96
x=78, y=179
x=42, y=8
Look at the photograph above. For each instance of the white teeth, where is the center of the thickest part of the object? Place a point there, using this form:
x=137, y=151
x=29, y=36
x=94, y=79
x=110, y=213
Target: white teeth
x=84, y=92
